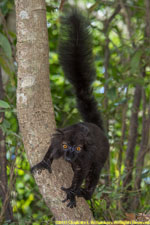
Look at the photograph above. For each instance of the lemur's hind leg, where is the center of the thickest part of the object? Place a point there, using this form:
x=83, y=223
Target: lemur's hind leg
x=90, y=182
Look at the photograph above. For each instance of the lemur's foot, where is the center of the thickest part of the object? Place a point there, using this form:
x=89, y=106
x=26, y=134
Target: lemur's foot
x=82, y=192
x=70, y=196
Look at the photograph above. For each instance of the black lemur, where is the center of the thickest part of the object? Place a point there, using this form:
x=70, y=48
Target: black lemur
x=84, y=145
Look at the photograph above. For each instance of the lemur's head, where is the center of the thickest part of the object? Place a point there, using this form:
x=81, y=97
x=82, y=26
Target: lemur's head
x=74, y=141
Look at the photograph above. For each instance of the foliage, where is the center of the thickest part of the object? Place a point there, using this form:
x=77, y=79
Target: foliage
x=128, y=53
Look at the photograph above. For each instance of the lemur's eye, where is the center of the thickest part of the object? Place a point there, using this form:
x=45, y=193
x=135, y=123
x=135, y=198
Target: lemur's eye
x=65, y=146
x=78, y=148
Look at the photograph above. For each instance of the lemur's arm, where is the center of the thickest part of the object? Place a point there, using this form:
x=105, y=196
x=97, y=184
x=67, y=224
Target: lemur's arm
x=45, y=163
x=54, y=152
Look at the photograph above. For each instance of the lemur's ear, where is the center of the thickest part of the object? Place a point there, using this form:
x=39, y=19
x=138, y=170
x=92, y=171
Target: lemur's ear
x=84, y=129
x=86, y=132
x=59, y=132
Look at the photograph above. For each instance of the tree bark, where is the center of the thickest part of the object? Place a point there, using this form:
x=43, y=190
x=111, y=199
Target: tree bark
x=35, y=110
x=3, y=174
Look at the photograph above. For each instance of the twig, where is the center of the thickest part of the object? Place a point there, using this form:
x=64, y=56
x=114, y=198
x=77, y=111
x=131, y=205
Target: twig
x=8, y=193
x=128, y=22
x=61, y=5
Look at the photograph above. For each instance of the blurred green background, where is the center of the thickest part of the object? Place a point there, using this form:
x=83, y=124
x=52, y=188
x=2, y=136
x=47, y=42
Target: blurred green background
x=121, y=51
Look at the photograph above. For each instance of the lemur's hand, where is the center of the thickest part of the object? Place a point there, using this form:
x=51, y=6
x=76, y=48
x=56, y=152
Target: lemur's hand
x=41, y=166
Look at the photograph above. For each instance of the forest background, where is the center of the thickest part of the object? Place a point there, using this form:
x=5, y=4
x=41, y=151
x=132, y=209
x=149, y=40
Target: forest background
x=121, y=46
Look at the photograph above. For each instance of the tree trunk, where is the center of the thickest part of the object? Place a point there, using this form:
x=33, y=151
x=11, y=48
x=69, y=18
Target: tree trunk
x=132, y=141
x=3, y=175
x=146, y=121
x=123, y=131
x=141, y=154
x=35, y=110
x=107, y=24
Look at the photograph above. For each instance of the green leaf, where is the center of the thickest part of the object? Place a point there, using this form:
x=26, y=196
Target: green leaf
x=5, y=45
x=134, y=80
x=5, y=126
x=4, y=104
x=111, y=93
x=104, y=204
x=145, y=173
x=6, y=123
x=5, y=66
x=135, y=61
x=3, y=6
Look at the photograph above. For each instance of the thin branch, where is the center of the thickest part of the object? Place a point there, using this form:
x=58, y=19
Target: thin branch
x=147, y=6
x=3, y=175
x=106, y=75
x=110, y=3
x=107, y=53
x=128, y=22
x=123, y=129
x=109, y=20
x=8, y=192
x=61, y=5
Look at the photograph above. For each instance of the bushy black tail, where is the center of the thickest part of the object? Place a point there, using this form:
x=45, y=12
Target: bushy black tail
x=76, y=59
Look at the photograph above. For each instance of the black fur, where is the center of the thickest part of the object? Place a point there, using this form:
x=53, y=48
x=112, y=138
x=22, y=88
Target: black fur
x=83, y=145
x=76, y=59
